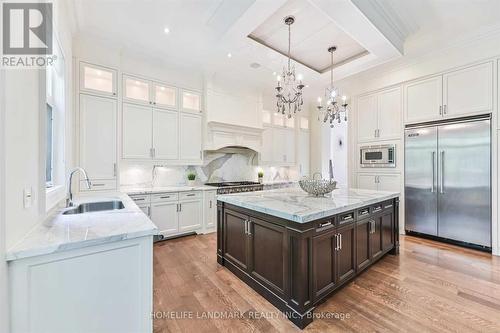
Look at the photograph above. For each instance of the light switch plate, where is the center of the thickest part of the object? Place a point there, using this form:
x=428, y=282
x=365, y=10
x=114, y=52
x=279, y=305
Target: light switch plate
x=27, y=197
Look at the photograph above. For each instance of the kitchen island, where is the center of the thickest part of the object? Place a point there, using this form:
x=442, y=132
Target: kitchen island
x=296, y=250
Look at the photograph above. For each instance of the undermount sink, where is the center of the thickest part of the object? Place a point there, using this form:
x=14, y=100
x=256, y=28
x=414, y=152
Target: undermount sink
x=90, y=207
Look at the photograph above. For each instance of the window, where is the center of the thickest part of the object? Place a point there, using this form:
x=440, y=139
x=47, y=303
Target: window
x=54, y=134
x=49, y=157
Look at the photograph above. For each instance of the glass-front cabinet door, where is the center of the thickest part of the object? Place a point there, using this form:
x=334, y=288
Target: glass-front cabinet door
x=97, y=79
x=136, y=90
x=164, y=96
x=191, y=101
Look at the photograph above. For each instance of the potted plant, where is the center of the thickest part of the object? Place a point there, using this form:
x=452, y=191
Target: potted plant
x=260, y=174
x=191, y=176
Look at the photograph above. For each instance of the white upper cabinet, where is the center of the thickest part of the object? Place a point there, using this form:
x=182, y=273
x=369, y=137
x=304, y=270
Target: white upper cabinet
x=389, y=114
x=165, y=134
x=97, y=79
x=424, y=100
x=469, y=90
x=304, y=123
x=98, y=136
x=367, y=118
x=137, y=131
x=367, y=181
x=164, y=96
x=466, y=91
x=266, y=155
x=303, y=154
x=191, y=101
x=266, y=117
x=290, y=146
x=136, y=90
x=279, y=145
x=190, y=137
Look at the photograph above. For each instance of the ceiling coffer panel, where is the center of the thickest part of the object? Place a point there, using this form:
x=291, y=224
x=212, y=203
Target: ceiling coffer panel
x=312, y=33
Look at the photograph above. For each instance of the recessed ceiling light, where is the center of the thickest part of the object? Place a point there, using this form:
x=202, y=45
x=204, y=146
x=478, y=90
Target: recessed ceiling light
x=229, y=55
x=255, y=65
x=307, y=86
x=274, y=73
x=166, y=30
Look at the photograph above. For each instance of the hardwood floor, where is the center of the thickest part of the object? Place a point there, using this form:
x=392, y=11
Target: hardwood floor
x=429, y=287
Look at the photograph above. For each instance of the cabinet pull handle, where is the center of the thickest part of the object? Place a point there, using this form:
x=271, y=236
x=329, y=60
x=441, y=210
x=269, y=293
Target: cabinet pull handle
x=444, y=109
x=114, y=169
x=165, y=197
x=377, y=209
x=326, y=224
x=336, y=242
x=97, y=184
x=340, y=241
x=180, y=207
x=249, y=228
x=388, y=206
x=139, y=199
x=347, y=217
x=440, y=110
x=190, y=195
x=210, y=203
x=149, y=210
x=246, y=227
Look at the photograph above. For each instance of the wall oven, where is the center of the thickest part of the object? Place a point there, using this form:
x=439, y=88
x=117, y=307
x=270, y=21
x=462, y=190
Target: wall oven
x=382, y=156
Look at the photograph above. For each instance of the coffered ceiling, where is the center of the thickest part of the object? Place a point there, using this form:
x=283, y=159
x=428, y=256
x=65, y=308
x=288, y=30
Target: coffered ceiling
x=312, y=33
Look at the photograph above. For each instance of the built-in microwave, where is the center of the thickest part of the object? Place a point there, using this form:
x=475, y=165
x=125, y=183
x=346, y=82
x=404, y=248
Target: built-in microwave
x=382, y=156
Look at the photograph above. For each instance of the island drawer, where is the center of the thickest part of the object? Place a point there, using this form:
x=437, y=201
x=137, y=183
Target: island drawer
x=345, y=218
x=363, y=212
x=388, y=205
x=164, y=197
x=324, y=225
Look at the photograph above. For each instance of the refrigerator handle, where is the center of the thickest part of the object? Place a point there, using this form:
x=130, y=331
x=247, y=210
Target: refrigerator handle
x=433, y=171
x=441, y=190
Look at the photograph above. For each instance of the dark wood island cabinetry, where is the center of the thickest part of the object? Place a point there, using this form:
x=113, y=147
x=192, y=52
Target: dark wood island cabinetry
x=297, y=265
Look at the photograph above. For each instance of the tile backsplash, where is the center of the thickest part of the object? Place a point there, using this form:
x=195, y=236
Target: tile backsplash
x=218, y=166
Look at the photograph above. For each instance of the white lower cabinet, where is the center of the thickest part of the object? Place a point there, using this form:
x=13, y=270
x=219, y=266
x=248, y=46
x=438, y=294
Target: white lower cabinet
x=210, y=211
x=174, y=213
x=85, y=289
x=190, y=215
x=379, y=182
x=165, y=216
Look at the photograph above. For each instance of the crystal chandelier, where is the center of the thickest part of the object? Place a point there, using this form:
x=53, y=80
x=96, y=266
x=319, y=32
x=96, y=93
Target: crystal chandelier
x=289, y=91
x=334, y=110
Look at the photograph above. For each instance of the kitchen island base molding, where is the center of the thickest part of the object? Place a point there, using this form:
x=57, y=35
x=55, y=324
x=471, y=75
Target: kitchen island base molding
x=297, y=266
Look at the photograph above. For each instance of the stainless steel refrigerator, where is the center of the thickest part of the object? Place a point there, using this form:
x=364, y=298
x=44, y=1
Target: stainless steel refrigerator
x=448, y=180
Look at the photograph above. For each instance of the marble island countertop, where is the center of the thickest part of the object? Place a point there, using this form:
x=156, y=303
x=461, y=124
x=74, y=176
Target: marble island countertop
x=65, y=232
x=296, y=205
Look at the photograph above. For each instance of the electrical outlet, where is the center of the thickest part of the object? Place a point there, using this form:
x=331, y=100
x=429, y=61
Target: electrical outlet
x=27, y=197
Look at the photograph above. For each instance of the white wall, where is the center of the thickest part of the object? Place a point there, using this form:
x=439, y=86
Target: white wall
x=339, y=152
x=24, y=137
x=4, y=305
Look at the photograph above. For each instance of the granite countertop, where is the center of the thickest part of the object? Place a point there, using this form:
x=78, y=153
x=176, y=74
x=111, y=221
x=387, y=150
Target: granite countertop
x=66, y=232
x=296, y=205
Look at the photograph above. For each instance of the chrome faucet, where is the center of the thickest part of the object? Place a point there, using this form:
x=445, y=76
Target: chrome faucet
x=69, y=200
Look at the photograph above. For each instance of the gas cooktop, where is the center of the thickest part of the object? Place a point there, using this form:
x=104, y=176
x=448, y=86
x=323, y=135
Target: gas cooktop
x=226, y=184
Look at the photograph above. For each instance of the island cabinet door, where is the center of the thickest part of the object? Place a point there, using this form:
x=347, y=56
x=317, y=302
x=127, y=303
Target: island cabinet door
x=363, y=230
x=235, y=245
x=376, y=249
x=346, y=260
x=324, y=263
x=387, y=224
x=267, y=254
